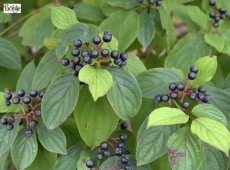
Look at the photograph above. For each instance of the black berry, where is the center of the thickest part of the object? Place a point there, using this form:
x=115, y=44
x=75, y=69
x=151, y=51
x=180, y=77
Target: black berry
x=165, y=98
x=96, y=40
x=28, y=132
x=70, y=6
x=118, y=151
x=118, y=61
x=65, y=61
x=216, y=25
x=84, y=53
x=94, y=54
x=78, y=67
x=7, y=103
x=87, y=59
x=75, y=52
x=99, y=156
x=217, y=19
x=105, y=53
x=32, y=123
x=192, y=95
x=107, y=32
x=124, y=160
x=128, y=167
x=191, y=76
x=124, y=56
x=9, y=126
x=180, y=87
x=16, y=100
x=115, y=54
x=123, y=64
x=10, y=120
x=124, y=126
x=123, y=137
x=104, y=145
x=205, y=99
x=121, y=145
x=212, y=14
x=76, y=60
x=159, y=3
x=89, y=164
x=33, y=93
x=21, y=93
x=194, y=69
x=107, y=153
x=222, y=10
x=202, y=89
x=173, y=95
x=158, y=98
x=26, y=100
x=41, y=94
x=151, y=1
x=8, y=96
x=37, y=112
x=212, y=2
x=3, y=121
x=172, y=86
x=200, y=96
x=185, y=104
x=107, y=38
x=78, y=43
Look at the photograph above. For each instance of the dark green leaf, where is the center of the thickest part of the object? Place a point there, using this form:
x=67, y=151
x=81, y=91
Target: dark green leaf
x=161, y=163
x=146, y=29
x=127, y=4
x=26, y=78
x=46, y=70
x=52, y=140
x=5, y=17
x=95, y=120
x=60, y=100
x=44, y=160
x=33, y=32
x=9, y=55
x=70, y=160
x=152, y=142
x=24, y=150
x=7, y=137
x=181, y=56
x=89, y=12
x=185, y=150
x=125, y=94
x=124, y=26
x=156, y=81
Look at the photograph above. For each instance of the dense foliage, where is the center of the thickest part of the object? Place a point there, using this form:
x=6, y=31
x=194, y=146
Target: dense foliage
x=115, y=84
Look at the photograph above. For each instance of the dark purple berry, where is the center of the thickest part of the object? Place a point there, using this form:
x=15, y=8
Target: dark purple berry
x=124, y=160
x=118, y=151
x=205, y=99
x=191, y=76
x=28, y=132
x=94, y=54
x=124, y=126
x=104, y=145
x=76, y=60
x=107, y=38
x=216, y=25
x=84, y=53
x=192, y=95
x=107, y=32
x=21, y=93
x=32, y=123
x=16, y=100
x=128, y=167
x=212, y=14
x=107, y=153
x=173, y=95
x=158, y=98
x=37, y=112
x=89, y=164
x=118, y=61
x=185, y=104
x=159, y=2
x=123, y=137
x=26, y=100
x=201, y=89
x=75, y=52
x=114, y=54
x=222, y=10
x=78, y=43
x=121, y=145
x=8, y=96
x=87, y=59
x=65, y=61
x=165, y=98
x=105, y=53
x=151, y=1
x=41, y=94
x=140, y=1
x=180, y=87
x=70, y=6
x=172, y=86
x=212, y=2
x=33, y=93
x=78, y=67
x=124, y=56
x=10, y=120
x=123, y=64
x=200, y=96
x=99, y=156
x=194, y=69
x=96, y=40
x=7, y=103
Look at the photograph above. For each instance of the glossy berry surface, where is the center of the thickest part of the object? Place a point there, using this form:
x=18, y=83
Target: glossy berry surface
x=194, y=69
x=123, y=137
x=173, y=95
x=205, y=99
x=37, y=112
x=121, y=145
x=192, y=95
x=191, y=76
x=124, y=126
x=94, y=54
x=128, y=167
x=76, y=60
x=75, y=52
x=26, y=100
x=124, y=160
x=200, y=96
x=78, y=43
x=107, y=153
x=3, y=121
x=216, y=25
x=118, y=61
x=151, y=1
x=172, y=86
x=41, y=94
x=8, y=96
x=202, y=89
x=16, y=100
x=115, y=54
x=180, y=87
x=212, y=2
x=104, y=145
x=28, y=132
x=89, y=163
x=158, y=98
x=96, y=40
x=212, y=14
x=124, y=56
x=105, y=53
x=159, y=2
x=33, y=93
x=99, y=156
x=65, y=61
x=87, y=59
x=118, y=151
x=165, y=98
x=185, y=104
x=7, y=103
x=32, y=123
x=21, y=93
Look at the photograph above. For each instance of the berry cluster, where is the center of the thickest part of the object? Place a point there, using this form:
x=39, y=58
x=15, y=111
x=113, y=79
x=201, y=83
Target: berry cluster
x=183, y=90
x=93, y=53
x=114, y=148
x=29, y=111
x=217, y=15
x=151, y=2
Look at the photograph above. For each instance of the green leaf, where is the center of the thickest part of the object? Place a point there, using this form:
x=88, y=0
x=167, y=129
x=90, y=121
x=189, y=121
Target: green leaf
x=125, y=93
x=98, y=79
x=84, y=156
x=4, y=108
x=24, y=150
x=134, y=65
x=26, y=78
x=60, y=100
x=52, y=140
x=161, y=163
x=46, y=70
x=209, y=111
x=155, y=81
x=146, y=29
x=7, y=137
x=215, y=40
x=89, y=12
x=123, y=4
x=220, y=99
x=226, y=49
x=9, y=55
x=63, y=17
x=95, y=120
x=5, y=17
x=152, y=142
x=212, y=132
x=207, y=69
x=185, y=150
x=84, y=32
x=167, y=116
x=70, y=160
x=33, y=32
x=128, y=27
x=202, y=21
x=43, y=160
x=181, y=57
x=214, y=159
